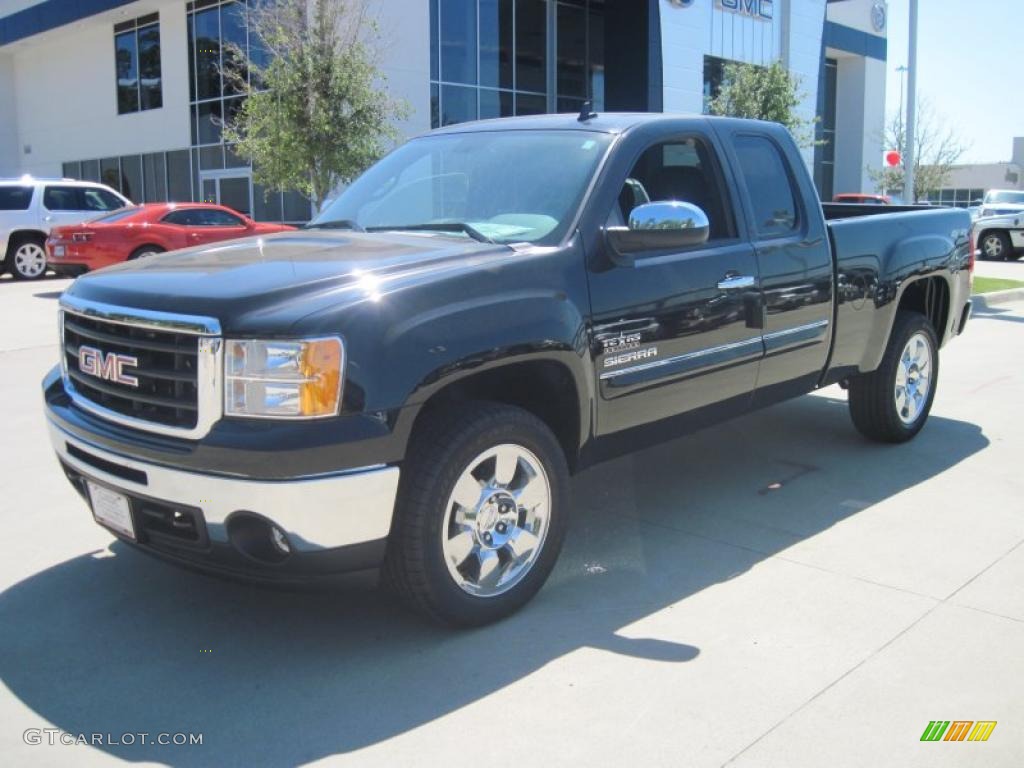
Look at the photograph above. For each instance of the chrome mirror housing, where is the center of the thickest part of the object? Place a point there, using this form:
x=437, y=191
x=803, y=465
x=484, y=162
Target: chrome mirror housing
x=658, y=226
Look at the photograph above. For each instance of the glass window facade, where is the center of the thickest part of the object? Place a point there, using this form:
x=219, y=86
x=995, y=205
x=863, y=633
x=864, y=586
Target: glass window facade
x=156, y=177
x=137, y=63
x=961, y=198
x=497, y=58
x=219, y=47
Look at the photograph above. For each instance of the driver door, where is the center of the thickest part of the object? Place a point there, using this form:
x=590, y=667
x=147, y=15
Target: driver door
x=676, y=332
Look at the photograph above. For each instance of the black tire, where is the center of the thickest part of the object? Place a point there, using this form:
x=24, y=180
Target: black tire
x=873, y=395
x=998, y=243
x=145, y=250
x=17, y=243
x=443, y=447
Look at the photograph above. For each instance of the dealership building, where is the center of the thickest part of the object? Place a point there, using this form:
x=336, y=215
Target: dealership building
x=132, y=93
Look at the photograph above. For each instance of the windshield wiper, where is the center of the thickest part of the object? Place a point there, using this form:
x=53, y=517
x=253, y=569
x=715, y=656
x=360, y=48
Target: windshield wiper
x=440, y=226
x=335, y=224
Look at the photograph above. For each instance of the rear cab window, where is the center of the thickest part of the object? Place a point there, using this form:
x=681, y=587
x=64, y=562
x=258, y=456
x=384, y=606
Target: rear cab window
x=769, y=184
x=15, y=198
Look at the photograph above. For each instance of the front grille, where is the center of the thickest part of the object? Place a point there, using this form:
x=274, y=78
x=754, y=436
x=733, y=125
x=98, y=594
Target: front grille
x=167, y=371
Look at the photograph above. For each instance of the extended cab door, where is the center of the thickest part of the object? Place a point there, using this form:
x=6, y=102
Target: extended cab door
x=794, y=257
x=675, y=333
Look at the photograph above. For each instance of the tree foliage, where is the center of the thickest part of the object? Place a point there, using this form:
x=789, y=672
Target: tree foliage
x=317, y=114
x=937, y=150
x=763, y=93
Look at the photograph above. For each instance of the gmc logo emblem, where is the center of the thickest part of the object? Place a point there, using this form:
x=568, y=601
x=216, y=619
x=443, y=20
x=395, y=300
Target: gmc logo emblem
x=107, y=366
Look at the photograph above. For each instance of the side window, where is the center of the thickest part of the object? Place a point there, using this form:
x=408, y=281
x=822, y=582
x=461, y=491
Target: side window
x=211, y=217
x=683, y=170
x=15, y=198
x=100, y=200
x=181, y=217
x=62, y=199
x=769, y=185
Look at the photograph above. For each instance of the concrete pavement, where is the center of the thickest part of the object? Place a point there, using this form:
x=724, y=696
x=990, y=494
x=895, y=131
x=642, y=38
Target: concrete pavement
x=773, y=591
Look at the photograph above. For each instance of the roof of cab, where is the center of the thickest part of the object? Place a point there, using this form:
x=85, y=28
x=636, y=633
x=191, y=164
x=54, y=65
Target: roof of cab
x=604, y=122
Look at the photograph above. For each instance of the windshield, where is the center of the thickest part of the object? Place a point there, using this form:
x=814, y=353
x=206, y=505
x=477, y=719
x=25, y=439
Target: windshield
x=505, y=186
x=1015, y=198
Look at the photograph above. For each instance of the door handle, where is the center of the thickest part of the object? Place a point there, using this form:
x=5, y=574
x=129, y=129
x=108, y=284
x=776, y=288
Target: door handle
x=736, y=282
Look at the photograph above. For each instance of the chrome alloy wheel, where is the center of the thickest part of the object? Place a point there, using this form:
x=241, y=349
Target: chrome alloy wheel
x=992, y=245
x=913, y=378
x=496, y=520
x=30, y=260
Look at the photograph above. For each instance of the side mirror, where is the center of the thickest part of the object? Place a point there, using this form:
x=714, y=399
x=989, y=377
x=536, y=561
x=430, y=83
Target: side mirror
x=660, y=226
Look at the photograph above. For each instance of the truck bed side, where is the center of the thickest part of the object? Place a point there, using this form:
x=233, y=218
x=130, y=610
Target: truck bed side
x=912, y=257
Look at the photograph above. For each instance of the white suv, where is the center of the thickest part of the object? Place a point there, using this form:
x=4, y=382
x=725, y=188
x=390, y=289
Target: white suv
x=29, y=207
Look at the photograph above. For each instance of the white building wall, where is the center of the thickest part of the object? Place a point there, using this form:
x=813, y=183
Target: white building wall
x=855, y=14
x=803, y=56
x=405, y=47
x=9, y=161
x=61, y=85
x=688, y=33
x=66, y=93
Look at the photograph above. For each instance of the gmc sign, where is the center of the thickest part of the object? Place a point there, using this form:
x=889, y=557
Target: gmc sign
x=756, y=9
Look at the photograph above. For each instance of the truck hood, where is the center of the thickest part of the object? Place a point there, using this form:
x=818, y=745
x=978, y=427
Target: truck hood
x=290, y=272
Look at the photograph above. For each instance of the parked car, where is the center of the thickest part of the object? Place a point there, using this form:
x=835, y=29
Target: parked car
x=1000, y=238
x=998, y=202
x=30, y=208
x=409, y=382
x=132, y=233
x=861, y=199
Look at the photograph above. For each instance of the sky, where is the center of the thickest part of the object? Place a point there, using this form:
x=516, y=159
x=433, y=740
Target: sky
x=969, y=65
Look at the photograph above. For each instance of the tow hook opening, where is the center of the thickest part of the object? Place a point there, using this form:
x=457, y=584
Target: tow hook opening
x=258, y=538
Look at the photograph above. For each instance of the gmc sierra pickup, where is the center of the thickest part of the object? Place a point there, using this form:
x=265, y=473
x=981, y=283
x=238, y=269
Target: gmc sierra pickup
x=408, y=382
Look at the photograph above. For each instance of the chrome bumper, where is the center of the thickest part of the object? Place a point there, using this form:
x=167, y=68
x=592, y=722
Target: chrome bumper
x=316, y=513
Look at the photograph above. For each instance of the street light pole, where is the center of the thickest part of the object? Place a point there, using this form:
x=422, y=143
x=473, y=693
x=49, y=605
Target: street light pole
x=902, y=69
x=908, y=153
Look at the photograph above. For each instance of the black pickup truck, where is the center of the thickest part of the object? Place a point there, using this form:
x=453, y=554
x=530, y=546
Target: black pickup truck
x=408, y=382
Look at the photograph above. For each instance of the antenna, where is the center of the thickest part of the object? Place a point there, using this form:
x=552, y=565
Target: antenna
x=587, y=112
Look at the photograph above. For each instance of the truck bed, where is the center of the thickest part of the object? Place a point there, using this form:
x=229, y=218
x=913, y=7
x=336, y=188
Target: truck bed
x=873, y=258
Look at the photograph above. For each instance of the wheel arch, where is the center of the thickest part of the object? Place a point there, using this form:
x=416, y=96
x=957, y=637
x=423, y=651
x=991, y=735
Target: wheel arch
x=157, y=247
x=546, y=388
x=929, y=296
x=20, y=235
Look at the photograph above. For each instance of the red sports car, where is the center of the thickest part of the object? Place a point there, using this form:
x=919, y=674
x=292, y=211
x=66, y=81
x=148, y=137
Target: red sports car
x=130, y=233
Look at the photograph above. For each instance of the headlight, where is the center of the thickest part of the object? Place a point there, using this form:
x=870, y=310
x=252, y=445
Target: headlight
x=283, y=379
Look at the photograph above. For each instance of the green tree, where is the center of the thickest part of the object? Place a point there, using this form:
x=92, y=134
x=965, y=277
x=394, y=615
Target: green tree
x=763, y=93
x=937, y=149
x=317, y=112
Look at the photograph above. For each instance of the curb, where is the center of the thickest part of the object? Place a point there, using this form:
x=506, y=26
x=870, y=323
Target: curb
x=987, y=300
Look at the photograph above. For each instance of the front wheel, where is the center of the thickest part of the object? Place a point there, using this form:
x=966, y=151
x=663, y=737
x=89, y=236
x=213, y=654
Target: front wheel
x=482, y=512
x=892, y=403
x=996, y=246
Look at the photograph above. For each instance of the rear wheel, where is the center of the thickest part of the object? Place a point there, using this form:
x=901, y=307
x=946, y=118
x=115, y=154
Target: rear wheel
x=26, y=258
x=481, y=515
x=144, y=251
x=892, y=403
x=996, y=246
